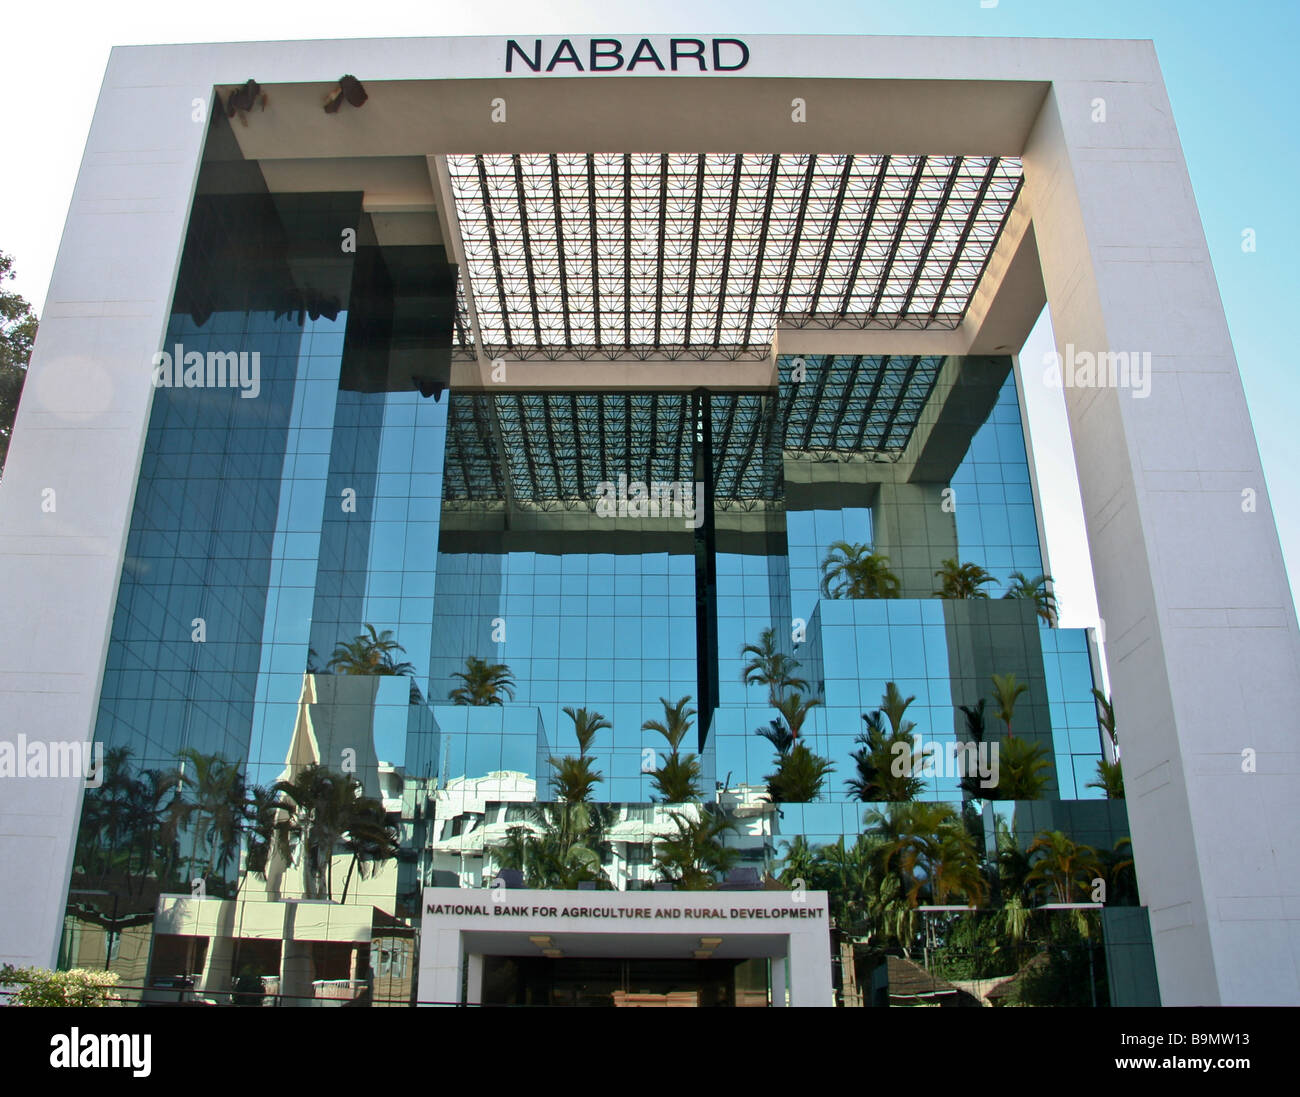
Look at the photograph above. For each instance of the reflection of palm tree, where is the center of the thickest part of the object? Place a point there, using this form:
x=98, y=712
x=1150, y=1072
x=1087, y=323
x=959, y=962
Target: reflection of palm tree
x=1110, y=775
x=485, y=683
x=932, y=852
x=1023, y=770
x=799, y=862
x=1122, y=872
x=799, y=777
x=961, y=580
x=1062, y=870
x=691, y=858
x=888, y=761
x=560, y=846
x=369, y=653
x=1006, y=692
x=794, y=710
x=1036, y=590
x=974, y=714
x=1109, y=779
x=260, y=814
x=218, y=807
x=771, y=667
x=574, y=779
x=676, y=779
x=585, y=726
x=852, y=570
x=320, y=809
x=370, y=837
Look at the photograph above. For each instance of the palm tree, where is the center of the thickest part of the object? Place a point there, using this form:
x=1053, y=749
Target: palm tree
x=559, y=846
x=219, y=805
x=852, y=570
x=1023, y=770
x=369, y=653
x=318, y=811
x=1123, y=873
x=676, y=780
x=691, y=859
x=778, y=734
x=970, y=783
x=800, y=861
x=849, y=876
x=1062, y=871
x=932, y=852
x=768, y=666
x=260, y=813
x=961, y=580
x=585, y=726
x=1110, y=775
x=1036, y=590
x=1109, y=779
x=485, y=683
x=675, y=724
x=1106, y=717
x=371, y=837
x=573, y=779
x=882, y=774
x=1006, y=692
x=794, y=711
x=799, y=777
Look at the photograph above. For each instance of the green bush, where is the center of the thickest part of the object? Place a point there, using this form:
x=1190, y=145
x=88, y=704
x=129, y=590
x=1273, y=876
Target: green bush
x=78, y=987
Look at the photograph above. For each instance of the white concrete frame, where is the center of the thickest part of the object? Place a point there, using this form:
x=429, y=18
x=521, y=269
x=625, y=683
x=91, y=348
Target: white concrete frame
x=630, y=925
x=1202, y=635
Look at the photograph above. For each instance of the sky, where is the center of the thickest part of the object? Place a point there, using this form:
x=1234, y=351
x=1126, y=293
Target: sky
x=1229, y=69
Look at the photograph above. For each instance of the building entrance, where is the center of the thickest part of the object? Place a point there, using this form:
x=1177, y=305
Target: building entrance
x=610, y=981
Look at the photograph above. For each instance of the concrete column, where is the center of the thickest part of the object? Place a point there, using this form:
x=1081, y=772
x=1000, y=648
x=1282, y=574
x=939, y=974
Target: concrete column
x=217, y=971
x=474, y=979
x=911, y=525
x=1201, y=635
x=810, y=971
x=439, y=967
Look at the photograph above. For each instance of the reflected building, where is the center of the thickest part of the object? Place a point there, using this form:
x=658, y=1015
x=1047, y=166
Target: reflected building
x=509, y=444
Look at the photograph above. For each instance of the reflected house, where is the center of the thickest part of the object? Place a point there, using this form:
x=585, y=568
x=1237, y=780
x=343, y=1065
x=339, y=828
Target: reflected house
x=462, y=347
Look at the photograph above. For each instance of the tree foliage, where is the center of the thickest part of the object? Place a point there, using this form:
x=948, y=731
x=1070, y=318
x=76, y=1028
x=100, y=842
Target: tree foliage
x=852, y=570
x=484, y=683
x=17, y=335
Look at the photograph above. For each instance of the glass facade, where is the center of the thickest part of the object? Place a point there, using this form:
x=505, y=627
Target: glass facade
x=320, y=573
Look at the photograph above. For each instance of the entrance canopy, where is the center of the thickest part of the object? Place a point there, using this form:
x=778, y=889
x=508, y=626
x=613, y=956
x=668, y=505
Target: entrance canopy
x=462, y=926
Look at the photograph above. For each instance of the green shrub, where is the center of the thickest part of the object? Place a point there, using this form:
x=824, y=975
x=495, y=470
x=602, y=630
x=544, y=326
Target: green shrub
x=78, y=987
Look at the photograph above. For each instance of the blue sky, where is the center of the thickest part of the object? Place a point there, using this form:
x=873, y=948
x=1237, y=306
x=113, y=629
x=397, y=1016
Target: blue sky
x=1230, y=70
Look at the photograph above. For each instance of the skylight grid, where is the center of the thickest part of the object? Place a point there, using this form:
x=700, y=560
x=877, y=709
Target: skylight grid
x=671, y=254
x=554, y=450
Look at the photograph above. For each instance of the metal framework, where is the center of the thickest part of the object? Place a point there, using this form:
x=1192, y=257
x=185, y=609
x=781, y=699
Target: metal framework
x=554, y=450
x=671, y=255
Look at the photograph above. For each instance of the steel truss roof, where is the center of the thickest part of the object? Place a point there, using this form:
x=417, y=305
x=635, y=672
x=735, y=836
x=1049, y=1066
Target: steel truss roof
x=654, y=255
x=554, y=450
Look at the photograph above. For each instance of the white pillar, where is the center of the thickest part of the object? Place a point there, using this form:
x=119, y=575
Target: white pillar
x=1200, y=630
x=810, y=970
x=474, y=979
